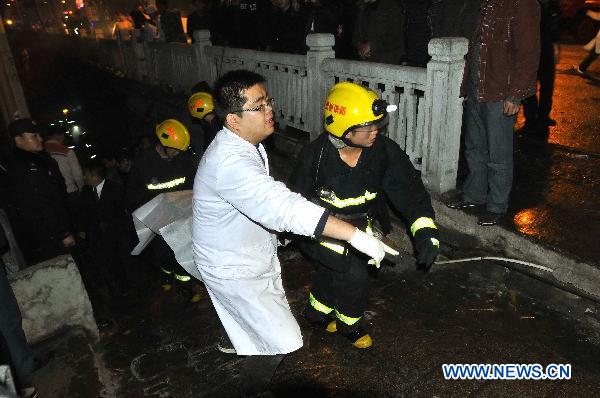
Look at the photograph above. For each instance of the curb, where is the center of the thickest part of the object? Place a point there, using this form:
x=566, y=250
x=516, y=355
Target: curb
x=569, y=273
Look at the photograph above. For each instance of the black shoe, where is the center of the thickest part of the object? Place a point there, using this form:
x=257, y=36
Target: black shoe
x=462, y=204
x=550, y=122
x=224, y=345
x=490, y=218
x=29, y=392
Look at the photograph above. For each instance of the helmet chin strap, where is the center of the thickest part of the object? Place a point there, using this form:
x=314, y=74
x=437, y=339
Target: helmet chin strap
x=338, y=143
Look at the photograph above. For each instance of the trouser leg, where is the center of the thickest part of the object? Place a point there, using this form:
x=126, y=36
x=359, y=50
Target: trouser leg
x=476, y=153
x=351, y=291
x=592, y=55
x=21, y=355
x=499, y=131
x=546, y=74
x=321, y=297
x=257, y=372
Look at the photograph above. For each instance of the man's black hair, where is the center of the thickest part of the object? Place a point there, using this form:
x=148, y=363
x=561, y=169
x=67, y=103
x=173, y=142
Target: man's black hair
x=96, y=168
x=228, y=96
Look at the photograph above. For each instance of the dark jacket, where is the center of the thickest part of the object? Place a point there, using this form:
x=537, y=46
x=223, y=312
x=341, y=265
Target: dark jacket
x=151, y=175
x=288, y=30
x=106, y=218
x=37, y=204
x=382, y=24
x=453, y=18
x=383, y=169
x=170, y=23
x=199, y=20
x=509, y=35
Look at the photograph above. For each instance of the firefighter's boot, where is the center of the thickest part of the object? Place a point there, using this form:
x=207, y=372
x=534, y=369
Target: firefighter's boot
x=355, y=333
x=166, y=282
x=317, y=319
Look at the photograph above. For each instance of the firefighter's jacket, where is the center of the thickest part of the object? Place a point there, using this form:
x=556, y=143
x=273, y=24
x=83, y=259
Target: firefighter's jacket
x=152, y=174
x=383, y=172
x=237, y=207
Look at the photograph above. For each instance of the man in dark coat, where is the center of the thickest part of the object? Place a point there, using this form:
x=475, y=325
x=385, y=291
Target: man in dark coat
x=500, y=72
x=108, y=227
x=37, y=196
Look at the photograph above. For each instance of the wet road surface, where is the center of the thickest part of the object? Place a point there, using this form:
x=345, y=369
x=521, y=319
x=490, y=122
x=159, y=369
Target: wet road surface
x=163, y=347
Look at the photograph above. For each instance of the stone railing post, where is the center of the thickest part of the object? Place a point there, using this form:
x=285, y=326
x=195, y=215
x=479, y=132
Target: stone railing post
x=443, y=114
x=320, y=47
x=137, y=44
x=201, y=41
x=119, y=58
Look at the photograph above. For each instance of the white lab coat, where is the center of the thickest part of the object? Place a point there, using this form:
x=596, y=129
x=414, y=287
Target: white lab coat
x=237, y=207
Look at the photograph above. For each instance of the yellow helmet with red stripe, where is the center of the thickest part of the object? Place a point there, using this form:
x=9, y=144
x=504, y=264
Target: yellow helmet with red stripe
x=349, y=105
x=173, y=134
x=201, y=104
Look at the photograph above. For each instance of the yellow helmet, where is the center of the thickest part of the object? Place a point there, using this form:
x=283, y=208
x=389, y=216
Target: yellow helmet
x=173, y=134
x=201, y=104
x=349, y=105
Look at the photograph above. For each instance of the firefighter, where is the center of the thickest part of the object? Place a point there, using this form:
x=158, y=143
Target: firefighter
x=202, y=110
x=166, y=167
x=351, y=169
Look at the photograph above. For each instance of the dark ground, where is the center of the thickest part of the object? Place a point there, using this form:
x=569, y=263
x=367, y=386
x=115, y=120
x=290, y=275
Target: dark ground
x=473, y=313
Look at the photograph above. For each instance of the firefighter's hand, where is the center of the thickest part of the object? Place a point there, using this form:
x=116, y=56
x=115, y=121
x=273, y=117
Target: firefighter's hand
x=427, y=247
x=371, y=246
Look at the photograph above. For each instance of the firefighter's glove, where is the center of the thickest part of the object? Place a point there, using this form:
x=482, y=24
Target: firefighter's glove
x=371, y=246
x=427, y=245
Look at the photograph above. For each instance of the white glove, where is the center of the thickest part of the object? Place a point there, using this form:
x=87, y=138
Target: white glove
x=371, y=246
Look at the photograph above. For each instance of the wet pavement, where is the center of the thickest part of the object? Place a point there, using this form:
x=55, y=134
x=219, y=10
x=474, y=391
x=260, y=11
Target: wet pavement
x=557, y=183
x=163, y=347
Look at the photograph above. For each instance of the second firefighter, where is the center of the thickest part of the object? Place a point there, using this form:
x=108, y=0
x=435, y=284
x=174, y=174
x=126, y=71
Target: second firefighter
x=351, y=169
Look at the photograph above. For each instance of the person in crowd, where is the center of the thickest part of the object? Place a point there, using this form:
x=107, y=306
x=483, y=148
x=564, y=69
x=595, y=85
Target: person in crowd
x=253, y=19
x=537, y=110
x=453, y=18
x=351, y=170
x=288, y=27
x=139, y=16
x=500, y=72
x=418, y=32
x=332, y=17
x=68, y=164
x=37, y=196
x=108, y=229
x=166, y=167
x=202, y=109
x=593, y=47
x=124, y=163
x=201, y=17
x=380, y=33
x=111, y=165
x=237, y=206
x=169, y=24
x=123, y=25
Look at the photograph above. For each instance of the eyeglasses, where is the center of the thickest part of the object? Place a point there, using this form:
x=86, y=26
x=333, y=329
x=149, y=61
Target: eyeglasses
x=270, y=102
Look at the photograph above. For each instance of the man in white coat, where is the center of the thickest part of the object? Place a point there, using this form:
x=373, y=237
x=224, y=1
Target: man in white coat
x=237, y=210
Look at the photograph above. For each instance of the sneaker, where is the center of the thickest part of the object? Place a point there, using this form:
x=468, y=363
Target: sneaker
x=462, y=204
x=490, y=218
x=225, y=346
x=578, y=71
